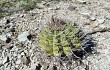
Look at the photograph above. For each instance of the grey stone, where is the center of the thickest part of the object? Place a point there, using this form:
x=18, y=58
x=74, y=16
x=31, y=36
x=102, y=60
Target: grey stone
x=18, y=61
x=101, y=19
x=24, y=60
x=23, y=36
x=3, y=37
x=22, y=53
x=5, y=60
x=92, y=18
x=82, y=1
x=33, y=67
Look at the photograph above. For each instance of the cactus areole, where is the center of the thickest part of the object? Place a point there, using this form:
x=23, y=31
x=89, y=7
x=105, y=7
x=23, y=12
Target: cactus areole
x=60, y=37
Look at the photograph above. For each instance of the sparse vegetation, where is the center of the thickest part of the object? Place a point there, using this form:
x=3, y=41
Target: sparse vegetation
x=28, y=5
x=8, y=7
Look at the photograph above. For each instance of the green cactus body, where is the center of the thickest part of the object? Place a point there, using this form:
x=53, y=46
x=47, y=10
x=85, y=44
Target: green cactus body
x=58, y=41
x=67, y=50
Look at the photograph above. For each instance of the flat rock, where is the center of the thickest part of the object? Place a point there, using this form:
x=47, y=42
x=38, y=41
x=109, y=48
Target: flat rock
x=81, y=1
x=92, y=18
x=100, y=19
x=23, y=36
x=3, y=37
x=18, y=61
x=6, y=59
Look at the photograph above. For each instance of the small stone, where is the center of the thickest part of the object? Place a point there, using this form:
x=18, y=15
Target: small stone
x=71, y=8
x=0, y=62
x=6, y=65
x=18, y=61
x=19, y=56
x=23, y=36
x=8, y=35
x=3, y=37
x=102, y=27
x=92, y=18
x=6, y=59
x=22, y=53
x=25, y=60
x=86, y=13
x=14, y=54
x=101, y=20
x=33, y=67
x=82, y=1
x=95, y=24
x=21, y=15
x=40, y=6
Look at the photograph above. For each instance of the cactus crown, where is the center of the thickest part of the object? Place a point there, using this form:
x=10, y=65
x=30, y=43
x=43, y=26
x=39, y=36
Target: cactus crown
x=60, y=37
x=56, y=24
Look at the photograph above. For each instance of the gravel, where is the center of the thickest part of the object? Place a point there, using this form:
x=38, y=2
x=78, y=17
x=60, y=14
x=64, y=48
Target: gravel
x=19, y=48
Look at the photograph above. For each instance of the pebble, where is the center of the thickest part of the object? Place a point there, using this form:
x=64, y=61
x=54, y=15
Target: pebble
x=0, y=62
x=40, y=6
x=25, y=60
x=101, y=19
x=18, y=61
x=33, y=67
x=85, y=13
x=95, y=24
x=22, y=53
x=23, y=36
x=14, y=54
x=3, y=37
x=102, y=27
x=81, y=1
x=92, y=18
x=6, y=59
x=19, y=56
x=8, y=35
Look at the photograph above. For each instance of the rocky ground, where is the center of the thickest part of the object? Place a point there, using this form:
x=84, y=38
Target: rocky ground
x=19, y=45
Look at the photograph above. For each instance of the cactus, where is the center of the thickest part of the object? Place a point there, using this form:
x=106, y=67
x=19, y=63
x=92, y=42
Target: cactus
x=59, y=37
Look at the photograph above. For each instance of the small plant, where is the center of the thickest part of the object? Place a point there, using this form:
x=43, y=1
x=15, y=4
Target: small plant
x=60, y=37
x=3, y=11
x=28, y=5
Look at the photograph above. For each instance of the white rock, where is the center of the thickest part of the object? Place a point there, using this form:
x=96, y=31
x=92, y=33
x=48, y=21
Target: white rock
x=19, y=56
x=8, y=35
x=5, y=60
x=18, y=61
x=86, y=13
x=0, y=61
x=101, y=19
x=81, y=1
x=92, y=18
x=22, y=53
x=41, y=6
x=3, y=37
x=95, y=24
x=23, y=36
x=33, y=67
x=102, y=26
x=6, y=66
x=14, y=54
